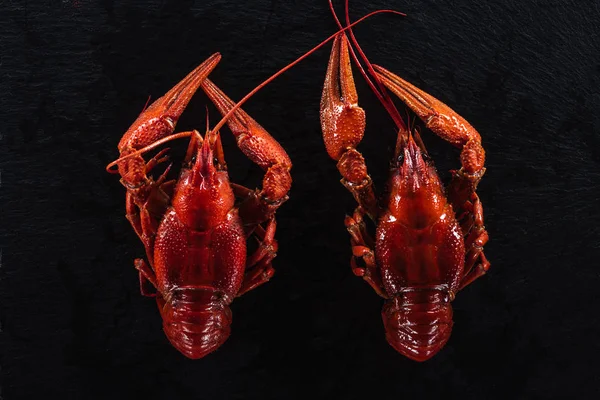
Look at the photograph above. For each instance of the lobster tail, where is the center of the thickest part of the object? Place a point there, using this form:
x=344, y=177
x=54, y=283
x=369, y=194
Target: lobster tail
x=196, y=321
x=418, y=322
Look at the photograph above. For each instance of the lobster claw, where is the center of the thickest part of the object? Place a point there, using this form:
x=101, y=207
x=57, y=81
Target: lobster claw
x=159, y=120
x=262, y=149
x=342, y=120
x=254, y=141
x=439, y=118
x=257, y=144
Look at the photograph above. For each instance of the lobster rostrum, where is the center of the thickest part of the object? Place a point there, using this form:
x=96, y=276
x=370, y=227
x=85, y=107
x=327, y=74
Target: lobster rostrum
x=428, y=243
x=195, y=228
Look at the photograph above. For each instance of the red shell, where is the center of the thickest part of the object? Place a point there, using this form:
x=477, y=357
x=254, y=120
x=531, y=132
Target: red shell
x=420, y=252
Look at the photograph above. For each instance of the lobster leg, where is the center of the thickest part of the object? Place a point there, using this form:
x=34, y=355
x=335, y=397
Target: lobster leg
x=476, y=264
x=343, y=125
x=157, y=197
x=262, y=149
x=244, y=193
x=258, y=267
x=145, y=219
x=147, y=278
x=442, y=120
x=362, y=247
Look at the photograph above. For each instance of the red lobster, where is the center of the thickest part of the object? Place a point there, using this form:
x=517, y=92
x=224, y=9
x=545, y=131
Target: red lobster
x=194, y=229
x=429, y=241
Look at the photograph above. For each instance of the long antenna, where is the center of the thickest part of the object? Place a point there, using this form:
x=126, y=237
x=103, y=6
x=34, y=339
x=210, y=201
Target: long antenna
x=284, y=69
x=249, y=95
x=381, y=93
x=394, y=113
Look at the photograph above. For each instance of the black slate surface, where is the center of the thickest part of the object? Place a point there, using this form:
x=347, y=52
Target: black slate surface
x=74, y=74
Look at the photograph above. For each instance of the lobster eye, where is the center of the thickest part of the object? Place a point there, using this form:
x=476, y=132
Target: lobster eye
x=400, y=159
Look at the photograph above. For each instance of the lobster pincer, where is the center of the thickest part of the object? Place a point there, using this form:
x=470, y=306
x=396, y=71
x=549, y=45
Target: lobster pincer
x=440, y=119
x=343, y=124
x=261, y=148
x=157, y=122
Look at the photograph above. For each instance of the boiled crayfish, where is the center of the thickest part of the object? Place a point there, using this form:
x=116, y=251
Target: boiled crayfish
x=429, y=241
x=195, y=228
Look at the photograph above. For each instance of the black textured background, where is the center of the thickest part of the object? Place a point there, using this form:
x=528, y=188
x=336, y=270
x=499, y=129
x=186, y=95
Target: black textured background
x=74, y=74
